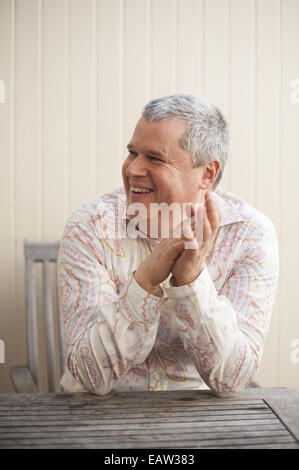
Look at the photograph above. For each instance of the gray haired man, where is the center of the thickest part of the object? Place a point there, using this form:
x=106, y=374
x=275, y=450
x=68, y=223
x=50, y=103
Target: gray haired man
x=149, y=313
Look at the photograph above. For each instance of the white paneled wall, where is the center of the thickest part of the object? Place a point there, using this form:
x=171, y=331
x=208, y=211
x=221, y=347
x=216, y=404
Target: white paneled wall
x=76, y=74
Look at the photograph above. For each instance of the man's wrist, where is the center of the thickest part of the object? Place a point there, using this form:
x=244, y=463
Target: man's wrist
x=177, y=282
x=146, y=285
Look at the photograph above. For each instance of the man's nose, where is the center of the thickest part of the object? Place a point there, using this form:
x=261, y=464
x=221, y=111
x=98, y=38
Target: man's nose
x=137, y=167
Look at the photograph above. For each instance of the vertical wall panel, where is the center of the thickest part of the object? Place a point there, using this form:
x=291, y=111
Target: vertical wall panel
x=27, y=146
x=7, y=192
x=216, y=54
x=82, y=98
x=217, y=61
x=289, y=323
x=54, y=116
x=165, y=46
x=136, y=62
x=268, y=148
x=110, y=142
x=243, y=98
x=190, y=46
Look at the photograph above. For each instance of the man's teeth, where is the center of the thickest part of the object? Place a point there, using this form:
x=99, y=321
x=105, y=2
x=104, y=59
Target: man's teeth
x=140, y=190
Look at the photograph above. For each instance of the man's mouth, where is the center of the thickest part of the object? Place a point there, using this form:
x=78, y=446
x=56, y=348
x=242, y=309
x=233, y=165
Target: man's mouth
x=137, y=190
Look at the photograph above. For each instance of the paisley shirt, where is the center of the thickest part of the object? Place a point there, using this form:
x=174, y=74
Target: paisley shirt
x=208, y=334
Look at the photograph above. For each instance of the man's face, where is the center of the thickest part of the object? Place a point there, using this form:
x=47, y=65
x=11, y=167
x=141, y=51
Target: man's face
x=157, y=162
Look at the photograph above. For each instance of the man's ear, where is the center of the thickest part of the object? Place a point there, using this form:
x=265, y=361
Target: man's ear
x=210, y=171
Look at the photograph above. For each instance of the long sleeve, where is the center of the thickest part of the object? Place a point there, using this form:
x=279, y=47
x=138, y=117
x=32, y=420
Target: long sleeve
x=224, y=331
x=108, y=328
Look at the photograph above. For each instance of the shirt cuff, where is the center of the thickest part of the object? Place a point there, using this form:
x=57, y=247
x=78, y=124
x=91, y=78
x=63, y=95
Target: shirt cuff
x=199, y=284
x=141, y=305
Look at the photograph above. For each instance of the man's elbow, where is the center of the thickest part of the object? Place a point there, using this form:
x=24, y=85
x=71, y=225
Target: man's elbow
x=232, y=387
x=88, y=378
x=222, y=390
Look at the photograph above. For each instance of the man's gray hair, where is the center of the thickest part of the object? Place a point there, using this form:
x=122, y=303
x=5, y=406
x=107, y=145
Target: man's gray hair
x=208, y=135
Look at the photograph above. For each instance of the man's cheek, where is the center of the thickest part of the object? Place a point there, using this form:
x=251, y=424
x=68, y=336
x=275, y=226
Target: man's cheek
x=124, y=175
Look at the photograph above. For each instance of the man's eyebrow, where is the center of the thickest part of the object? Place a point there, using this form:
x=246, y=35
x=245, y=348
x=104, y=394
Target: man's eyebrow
x=149, y=152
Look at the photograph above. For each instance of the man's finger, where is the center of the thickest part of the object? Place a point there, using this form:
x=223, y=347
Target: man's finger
x=191, y=243
x=175, y=248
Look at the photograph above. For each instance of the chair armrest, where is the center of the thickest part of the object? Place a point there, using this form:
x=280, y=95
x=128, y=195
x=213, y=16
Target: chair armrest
x=22, y=379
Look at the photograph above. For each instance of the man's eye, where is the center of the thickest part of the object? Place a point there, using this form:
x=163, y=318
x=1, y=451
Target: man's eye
x=153, y=158
x=134, y=154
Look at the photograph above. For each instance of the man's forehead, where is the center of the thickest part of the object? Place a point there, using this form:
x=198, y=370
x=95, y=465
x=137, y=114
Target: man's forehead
x=159, y=136
x=169, y=123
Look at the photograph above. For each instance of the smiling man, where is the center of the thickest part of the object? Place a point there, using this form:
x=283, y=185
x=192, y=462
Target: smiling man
x=166, y=312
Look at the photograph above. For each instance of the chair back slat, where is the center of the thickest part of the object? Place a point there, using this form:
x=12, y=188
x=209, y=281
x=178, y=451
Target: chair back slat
x=61, y=331
x=31, y=319
x=43, y=252
x=49, y=327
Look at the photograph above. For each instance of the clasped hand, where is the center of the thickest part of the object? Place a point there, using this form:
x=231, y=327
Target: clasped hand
x=183, y=257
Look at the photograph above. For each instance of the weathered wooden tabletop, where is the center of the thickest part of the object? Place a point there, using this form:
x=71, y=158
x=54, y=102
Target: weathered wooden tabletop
x=254, y=418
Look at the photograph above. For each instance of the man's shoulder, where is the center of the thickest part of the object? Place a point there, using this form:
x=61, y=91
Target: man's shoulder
x=101, y=207
x=100, y=204
x=253, y=219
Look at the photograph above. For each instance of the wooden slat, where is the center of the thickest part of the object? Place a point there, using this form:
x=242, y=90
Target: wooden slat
x=162, y=420
x=164, y=71
x=39, y=251
x=82, y=178
x=150, y=422
x=265, y=446
x=62, y=355
x=160, y=434
x=91, y=446
x=27, y=156
x=130, y=407
x=210, y=427
x=50, y=334
x=110, y=89
x=190, y=46
x=73, y=405
x=55, y=116
x=140, y=441
x=242, y=77
x=9, y=317
x=288, y=192
x=139, y=423
x=136, y=85
x=31, y=320
x=47, y=437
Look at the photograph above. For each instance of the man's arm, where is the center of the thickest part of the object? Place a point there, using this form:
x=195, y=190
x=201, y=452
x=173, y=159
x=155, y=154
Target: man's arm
x=106, y=332
x=224, y=332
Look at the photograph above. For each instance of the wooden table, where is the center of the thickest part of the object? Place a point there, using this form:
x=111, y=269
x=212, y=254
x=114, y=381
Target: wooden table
x=254, y=418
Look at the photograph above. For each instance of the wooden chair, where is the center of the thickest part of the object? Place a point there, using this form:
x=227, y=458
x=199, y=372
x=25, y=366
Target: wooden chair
x=25, y=378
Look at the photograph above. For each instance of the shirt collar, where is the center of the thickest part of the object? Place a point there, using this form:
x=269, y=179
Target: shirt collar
x=229, y=212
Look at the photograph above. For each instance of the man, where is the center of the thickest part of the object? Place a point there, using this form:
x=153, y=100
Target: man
x=149, y=312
